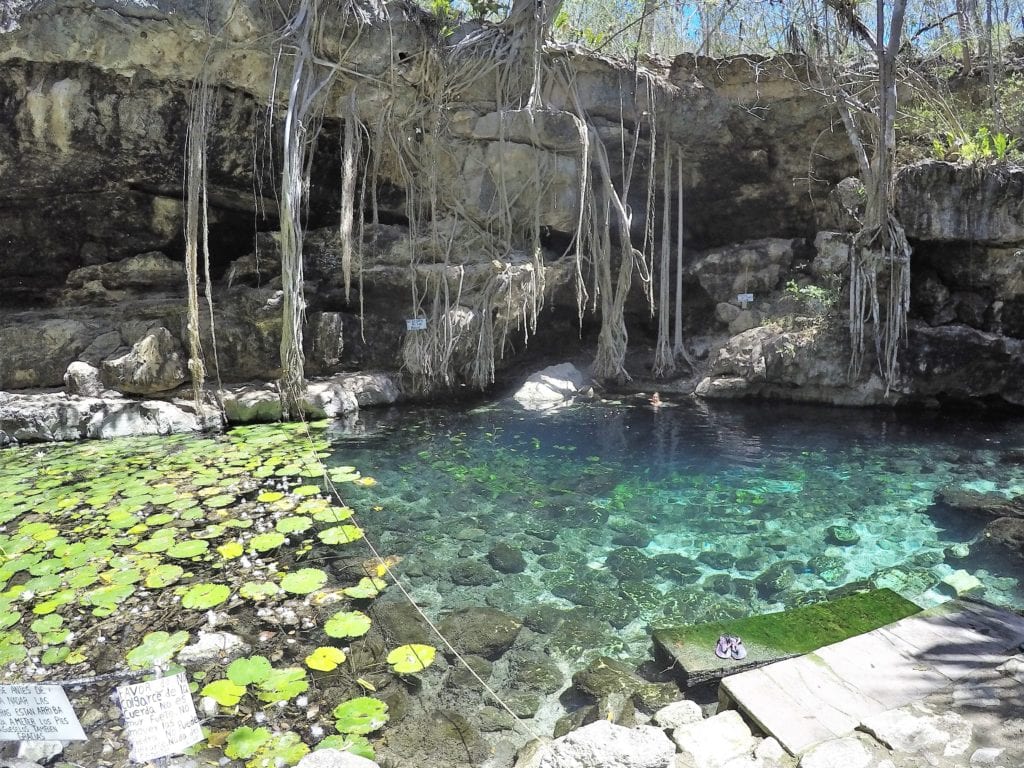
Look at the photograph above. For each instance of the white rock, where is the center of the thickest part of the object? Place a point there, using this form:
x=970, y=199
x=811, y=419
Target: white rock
x=1013, y=667
x=83, y=379
x=334, y=758
x=39, y=751
x=837, y=753
x=213, y=646
x=608, y=745
x=769, y=749
x=678, y=714
x=985, y=756
x=917, y=729
x=713, y=742
x=155, y=363
x=550, y=387
x=959, y=583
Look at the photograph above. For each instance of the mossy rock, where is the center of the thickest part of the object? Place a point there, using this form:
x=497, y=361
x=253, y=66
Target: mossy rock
x=719, y=583
x=677, y=568
x=841, y=535
x=604, y=676
x=775, y=636
x=472, y=573
x=505, y=558
x=720, y=561
x=630, y=563
x=775, y=579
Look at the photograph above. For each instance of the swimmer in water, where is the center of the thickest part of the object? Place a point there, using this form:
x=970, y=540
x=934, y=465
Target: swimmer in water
x=655, y=400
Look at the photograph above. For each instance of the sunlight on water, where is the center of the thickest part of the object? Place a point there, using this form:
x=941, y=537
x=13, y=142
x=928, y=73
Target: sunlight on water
x=598, y=522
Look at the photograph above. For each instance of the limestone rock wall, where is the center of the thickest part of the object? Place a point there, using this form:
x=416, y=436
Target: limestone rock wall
x=94, y=105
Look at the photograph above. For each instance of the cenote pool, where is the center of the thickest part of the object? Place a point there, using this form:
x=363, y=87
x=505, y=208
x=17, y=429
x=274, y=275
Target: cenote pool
x=597, y=522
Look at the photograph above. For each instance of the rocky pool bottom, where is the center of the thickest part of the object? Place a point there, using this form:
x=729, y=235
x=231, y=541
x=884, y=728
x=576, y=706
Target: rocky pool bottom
x=547, y=546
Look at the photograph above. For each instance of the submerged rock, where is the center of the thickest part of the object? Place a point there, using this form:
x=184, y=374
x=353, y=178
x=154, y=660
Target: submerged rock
x=775, y=579
x=481, y=631
x=841, y=535
x=506, y=558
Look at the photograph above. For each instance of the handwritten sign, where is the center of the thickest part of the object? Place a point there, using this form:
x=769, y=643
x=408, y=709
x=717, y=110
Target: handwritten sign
x=416, y=324
x=160, y=717
x=744, y=298
x=37, y=713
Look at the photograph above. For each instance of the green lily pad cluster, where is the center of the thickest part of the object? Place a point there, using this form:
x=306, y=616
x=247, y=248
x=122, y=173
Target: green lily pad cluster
x=132, y=541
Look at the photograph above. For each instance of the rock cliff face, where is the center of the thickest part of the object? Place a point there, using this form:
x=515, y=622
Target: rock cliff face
x=94, y=106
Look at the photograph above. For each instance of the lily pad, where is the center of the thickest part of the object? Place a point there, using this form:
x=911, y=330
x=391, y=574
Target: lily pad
x=188, y=549
x=231, y=550
x=156, y=648
x=224, y=692
x=247, y=670
x=366, y=588
x=243, y=742
x=341, y=534
x=410, y=659
x=325, y=658
x=204, y=596
x=283, y=685
x=164, y=575
x=267, y=541
x=293, y=524
x=348, y=742
x=361, y=715
x=258, y=590
x=347, y=624
x=303, y=581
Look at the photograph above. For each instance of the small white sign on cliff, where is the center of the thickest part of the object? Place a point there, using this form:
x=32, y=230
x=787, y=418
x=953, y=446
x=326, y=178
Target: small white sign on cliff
x=416, y=324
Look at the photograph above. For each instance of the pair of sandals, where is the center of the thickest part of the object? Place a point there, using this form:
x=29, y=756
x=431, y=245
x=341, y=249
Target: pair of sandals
x=730, y=647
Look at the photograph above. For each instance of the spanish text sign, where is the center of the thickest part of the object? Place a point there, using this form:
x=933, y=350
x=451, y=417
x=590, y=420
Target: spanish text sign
x=37, y=713
x=160, y=717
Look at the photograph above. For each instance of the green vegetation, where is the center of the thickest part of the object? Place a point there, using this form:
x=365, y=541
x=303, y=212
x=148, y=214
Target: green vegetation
x=796, y=631
x=149, y=529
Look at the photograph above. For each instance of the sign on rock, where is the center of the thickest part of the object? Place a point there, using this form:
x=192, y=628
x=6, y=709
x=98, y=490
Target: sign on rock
x=160, y=717
x=37, y=713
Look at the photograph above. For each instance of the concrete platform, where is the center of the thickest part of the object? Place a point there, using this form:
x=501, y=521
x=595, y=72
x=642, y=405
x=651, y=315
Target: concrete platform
x=831, y=692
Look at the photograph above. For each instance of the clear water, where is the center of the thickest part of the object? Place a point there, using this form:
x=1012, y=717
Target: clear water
x=628, y=517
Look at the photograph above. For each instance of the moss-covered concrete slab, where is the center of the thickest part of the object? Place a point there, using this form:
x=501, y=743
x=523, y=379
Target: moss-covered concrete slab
x=775, y=636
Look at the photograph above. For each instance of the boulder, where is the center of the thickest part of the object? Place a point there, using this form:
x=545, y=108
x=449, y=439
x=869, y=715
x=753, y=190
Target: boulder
x=833, y=254
x=83, y=379
x=713, y=742
x=154, y=364
x=919, y=731
x=610, y=746
x=1007, y=532
x=142, y=272
x=37, y=354
x=483, y=632
x=678, y=714
x=988, y=503
x=551, y=387
x=837, y=753
x=505, y=558
x=433, y=738
x=959, y=583
x=753, y=267
x=213, y=647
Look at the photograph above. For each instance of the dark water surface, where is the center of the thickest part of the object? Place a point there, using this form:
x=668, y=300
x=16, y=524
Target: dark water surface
x=621, y=516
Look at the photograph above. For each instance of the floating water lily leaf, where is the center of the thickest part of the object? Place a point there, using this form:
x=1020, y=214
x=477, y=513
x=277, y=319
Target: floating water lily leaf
x=220, y=500
x=188, y=549
x=164, y=575
x=252, y=669
x=55, y=655
x=366, y=482
x=343, y=474
x=75, y=657
x=224, y=692
x=107, y=598
x=293, y=524
x=281, y=749
x=47, y=624
x=267, y=541
x=357, y=745
x=366, y=588
x=156, y=648
x=347, y=624
x=303, y=581
x=325, y=658
x=8, y=618
x=231, y=550
x=410, y=659
x=243, y=742
x=12, y=647
x=332, y=514
x=204, y=596
x=341, y=534
x=360, y=716
x=266, y=497
x=283, y=685
x=306, y=490
x=258, y=590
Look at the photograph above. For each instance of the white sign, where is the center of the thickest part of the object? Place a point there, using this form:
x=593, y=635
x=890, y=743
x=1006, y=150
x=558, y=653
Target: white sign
x=744, y=298
x=416, y=324
x=37, y=713
x=160, y=717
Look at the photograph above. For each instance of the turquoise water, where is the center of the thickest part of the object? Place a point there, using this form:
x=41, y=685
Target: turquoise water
x=622, y=517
